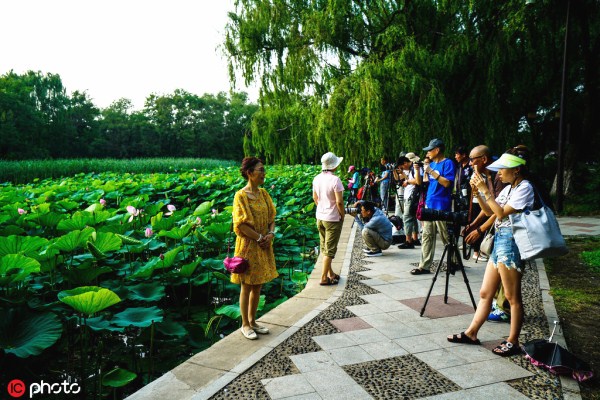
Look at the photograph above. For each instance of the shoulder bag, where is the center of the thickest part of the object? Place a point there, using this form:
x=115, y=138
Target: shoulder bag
x=537, y=233
x=487, y=244
x=234, y=265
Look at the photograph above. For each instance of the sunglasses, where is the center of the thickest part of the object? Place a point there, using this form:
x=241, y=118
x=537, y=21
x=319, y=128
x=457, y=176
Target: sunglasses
x=474, y=158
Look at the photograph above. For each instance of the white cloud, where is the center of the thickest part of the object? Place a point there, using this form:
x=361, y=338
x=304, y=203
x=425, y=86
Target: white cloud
x=114, y=49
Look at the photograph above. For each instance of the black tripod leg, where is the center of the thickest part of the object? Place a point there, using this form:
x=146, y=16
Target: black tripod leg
x=437, y=270
x=464, y=274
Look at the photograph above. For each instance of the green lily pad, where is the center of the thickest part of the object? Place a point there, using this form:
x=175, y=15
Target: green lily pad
x=204, y=208
x=15, y=267
x=73, y=240
x=171, y=328
x=106, y=241
x=141, y=317
x=27, y=334
x=89, y=300
x=153, y=291
x=78, y=221
x=21, y=244
x=101, y=324
x=118, y=377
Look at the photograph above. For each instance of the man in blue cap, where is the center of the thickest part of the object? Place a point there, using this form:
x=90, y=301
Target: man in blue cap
x=440, y=173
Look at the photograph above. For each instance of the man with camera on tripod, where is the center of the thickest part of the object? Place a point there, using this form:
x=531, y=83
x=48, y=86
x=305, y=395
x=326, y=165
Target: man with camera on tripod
x=441, y=174
x=376, y=228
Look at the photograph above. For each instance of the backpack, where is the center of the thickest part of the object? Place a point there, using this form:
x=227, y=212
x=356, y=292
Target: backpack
x=361, y=193
x=396, y=221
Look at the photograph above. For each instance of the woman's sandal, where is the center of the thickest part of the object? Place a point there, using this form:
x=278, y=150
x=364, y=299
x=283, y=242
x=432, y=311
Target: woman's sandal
x=462, y=338
x=335, y=279
x=328, y=282
x=506, y=349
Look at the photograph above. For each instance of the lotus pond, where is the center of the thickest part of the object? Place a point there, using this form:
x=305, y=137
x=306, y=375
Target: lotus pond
x=110, y=280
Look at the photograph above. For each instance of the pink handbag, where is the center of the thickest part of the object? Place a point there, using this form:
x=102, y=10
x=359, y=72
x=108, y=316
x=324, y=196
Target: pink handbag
x=235, y=265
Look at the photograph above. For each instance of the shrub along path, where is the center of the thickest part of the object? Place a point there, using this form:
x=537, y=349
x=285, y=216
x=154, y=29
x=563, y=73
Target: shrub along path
x=367, y=340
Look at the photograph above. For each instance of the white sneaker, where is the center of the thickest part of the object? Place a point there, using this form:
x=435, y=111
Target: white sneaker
x=260, y=329
x=374, y=253
x=249, y=334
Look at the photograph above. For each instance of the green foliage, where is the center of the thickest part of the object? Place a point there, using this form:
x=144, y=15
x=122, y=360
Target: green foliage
x=364, y=79
x=118, y=377
x=39, y=120
x=26, y=334
x=102, y=252
x=592, y=258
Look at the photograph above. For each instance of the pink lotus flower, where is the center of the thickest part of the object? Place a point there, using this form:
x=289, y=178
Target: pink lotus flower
x=272, y=186
x=133, y=211
x=148, y=232
x=198, y=221
x=214, y=211
x=103, y=202
x=21, y=211
x=171, y=208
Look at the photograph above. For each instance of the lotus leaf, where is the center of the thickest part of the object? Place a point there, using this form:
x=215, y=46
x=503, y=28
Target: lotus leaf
x=27, y=334
x=152, y=291
x=100, y=324
x=171, y=328
x=79, y=220
x=106, y=241
x=188, y=269
x=21, y=244
x=73, y=240
x=220, y=230
x=146, y=270
x=20, y=267
x=85, y=274
x=169, y=258
x=177, y=233
x=118, y=377
x=50, y=219
x=89, y=300
x=129, y=240
x=159, y=223
x=204, y=208
x=141, y=317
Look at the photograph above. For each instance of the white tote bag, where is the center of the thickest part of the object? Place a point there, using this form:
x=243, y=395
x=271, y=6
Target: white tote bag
x=537, y=233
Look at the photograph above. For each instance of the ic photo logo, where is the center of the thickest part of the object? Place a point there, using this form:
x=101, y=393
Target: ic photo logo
x=17, y=388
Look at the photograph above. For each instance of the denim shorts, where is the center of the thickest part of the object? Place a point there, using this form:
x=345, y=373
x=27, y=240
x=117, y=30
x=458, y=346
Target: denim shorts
x=506, y=250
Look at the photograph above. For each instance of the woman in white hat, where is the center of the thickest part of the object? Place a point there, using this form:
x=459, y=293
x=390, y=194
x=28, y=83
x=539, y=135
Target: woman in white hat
x=505, y=264
x=328, y=193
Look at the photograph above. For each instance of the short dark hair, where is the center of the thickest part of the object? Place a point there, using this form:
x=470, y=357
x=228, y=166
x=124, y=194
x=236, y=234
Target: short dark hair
x=248, y=164
x=462, y=150
x=401, y=160
x=523, y=152
x=369, y=206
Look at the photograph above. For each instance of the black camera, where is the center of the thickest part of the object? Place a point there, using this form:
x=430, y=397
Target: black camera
x=353, y=210
x=457, y=217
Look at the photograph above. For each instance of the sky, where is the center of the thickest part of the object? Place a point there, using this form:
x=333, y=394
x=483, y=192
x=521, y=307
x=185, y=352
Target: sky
x=116, y=49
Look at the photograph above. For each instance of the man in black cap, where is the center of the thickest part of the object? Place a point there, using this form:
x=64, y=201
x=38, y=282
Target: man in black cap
x=440, y=173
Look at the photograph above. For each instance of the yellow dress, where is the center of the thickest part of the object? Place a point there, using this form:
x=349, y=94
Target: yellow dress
x=258, y=213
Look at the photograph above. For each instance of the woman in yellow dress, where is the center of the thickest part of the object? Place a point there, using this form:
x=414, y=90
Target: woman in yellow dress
x=254, y=225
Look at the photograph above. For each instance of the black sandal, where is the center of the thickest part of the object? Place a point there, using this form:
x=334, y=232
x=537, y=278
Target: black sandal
x=328, y=282
x=506, y=349
x=420, y=271
x=462, y=338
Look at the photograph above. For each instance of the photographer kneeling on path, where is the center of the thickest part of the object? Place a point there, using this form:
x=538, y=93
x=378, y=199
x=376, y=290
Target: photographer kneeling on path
x=376, y=228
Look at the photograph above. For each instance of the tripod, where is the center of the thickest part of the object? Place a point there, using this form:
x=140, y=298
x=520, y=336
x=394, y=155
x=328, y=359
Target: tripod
x=454, y=263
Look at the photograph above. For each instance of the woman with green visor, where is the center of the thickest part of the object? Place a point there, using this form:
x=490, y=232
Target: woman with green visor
x=505, y=264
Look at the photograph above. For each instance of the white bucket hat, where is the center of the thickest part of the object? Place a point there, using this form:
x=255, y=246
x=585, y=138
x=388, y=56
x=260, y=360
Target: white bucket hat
x=330, y=161
x=412, y=157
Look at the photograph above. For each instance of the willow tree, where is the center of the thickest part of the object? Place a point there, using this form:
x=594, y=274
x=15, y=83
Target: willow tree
x=366, y=78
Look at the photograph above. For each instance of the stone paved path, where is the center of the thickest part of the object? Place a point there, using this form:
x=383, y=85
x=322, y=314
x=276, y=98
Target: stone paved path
x=368, y=340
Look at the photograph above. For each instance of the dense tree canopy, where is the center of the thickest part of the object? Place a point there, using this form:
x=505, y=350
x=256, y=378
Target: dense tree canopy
x=367, y=78
x=38, y=119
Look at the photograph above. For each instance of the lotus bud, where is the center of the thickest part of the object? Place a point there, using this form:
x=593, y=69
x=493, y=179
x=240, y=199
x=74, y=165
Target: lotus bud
x=103, y=202
x=21, y=211
x=148, y=232
x=161, y=256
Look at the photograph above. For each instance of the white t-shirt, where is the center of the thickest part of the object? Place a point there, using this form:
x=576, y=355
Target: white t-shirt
x=408, y=189
x=519, y=198
x=325, y=185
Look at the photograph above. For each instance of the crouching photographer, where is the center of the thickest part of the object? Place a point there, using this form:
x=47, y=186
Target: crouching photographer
x=376, y=228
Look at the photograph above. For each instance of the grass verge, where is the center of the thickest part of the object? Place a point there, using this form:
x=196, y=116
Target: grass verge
x=575, y=286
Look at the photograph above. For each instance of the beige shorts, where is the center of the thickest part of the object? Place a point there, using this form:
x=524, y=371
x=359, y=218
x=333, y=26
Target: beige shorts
x=329, y=235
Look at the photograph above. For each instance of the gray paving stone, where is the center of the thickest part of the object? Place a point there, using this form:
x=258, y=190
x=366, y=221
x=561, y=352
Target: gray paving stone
x=287, y=386
x=334, y=341
x=328, y=380
x=364, y=336
x=307, y=396
x=484, y=373
x=313, y=361
x=455, y=356
x=350, y=355
x=496, y=391
x=364, y=309
x=383, y=350
x=351, y=392
x=417, y=344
